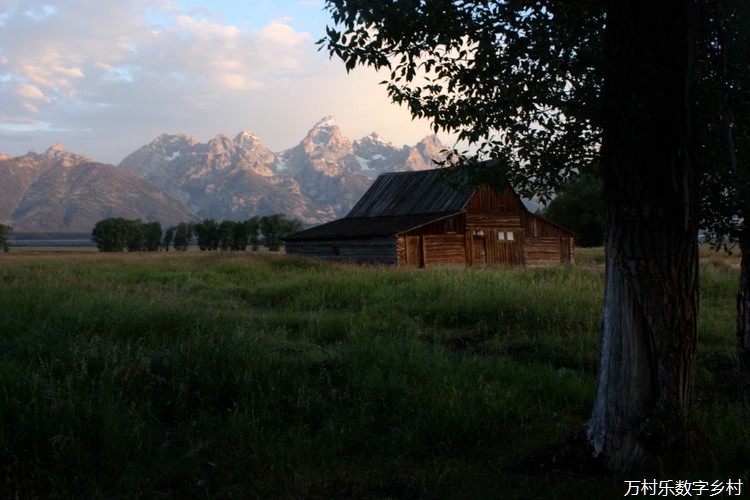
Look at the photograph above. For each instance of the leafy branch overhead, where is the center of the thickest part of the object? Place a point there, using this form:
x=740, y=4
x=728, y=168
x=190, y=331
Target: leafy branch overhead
x=480, y=70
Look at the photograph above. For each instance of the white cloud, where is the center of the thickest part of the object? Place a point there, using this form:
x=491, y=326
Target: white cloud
x=113, y=75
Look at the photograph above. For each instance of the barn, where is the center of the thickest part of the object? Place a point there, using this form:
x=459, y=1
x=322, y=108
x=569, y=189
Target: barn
x=419, y=219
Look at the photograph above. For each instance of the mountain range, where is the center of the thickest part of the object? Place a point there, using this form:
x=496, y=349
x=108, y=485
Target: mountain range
x=177, y=178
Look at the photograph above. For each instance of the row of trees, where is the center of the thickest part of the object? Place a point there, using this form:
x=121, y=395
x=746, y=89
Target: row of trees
x=259, y=230
x=117, y=234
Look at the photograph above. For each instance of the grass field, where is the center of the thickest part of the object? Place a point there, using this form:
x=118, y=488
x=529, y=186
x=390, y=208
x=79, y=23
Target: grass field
x=258, y=376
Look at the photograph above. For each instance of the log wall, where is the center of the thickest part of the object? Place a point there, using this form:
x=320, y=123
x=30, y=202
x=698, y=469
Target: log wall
x=376, y=251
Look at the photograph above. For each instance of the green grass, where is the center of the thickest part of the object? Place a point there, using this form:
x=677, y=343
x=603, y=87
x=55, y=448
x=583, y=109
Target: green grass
x=218, y=375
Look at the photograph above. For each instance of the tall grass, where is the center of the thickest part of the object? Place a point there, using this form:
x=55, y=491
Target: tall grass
x=235, y=376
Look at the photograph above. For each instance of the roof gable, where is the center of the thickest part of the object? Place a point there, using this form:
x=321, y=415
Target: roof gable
x=409, y=193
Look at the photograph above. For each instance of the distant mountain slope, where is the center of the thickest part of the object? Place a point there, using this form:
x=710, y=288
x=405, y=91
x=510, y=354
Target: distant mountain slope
x=177, y=178
x=65, y=192
x=317, y=180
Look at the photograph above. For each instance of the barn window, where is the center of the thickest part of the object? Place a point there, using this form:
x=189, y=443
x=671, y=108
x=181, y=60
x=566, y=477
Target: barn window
x=450, y=225
x=505, y=236
x=500, y=236
x=479, y=232
x=509, y=236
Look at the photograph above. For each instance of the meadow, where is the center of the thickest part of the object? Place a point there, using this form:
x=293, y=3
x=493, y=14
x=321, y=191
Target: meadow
x=241, y=375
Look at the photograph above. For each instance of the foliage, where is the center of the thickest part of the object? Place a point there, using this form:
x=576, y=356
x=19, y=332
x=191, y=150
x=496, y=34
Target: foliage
x=168, y=237
x=252, y=226
x=134, y=235
x=724, y=81
x=579, y=206
x=225, y=234
x=182, y=234
x=232, y=235
x=275, y=228
x=5, y=232
x=115, y=234
x=207, y=233
x=216, y=375
x=152, y=236
x=519, y=80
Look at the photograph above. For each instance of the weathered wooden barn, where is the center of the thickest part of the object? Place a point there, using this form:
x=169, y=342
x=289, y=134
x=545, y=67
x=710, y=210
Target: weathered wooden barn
x=419, y=219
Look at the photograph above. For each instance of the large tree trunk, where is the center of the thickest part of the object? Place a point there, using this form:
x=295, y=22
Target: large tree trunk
x=743, y=323
x=649, y=326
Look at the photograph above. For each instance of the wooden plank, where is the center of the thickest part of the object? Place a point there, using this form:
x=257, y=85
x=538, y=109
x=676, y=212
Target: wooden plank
x=545, y=251
x=445, y=249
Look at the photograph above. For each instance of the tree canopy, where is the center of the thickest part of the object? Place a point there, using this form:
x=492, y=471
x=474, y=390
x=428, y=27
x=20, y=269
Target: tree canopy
x=521, y=81
x=547, y=90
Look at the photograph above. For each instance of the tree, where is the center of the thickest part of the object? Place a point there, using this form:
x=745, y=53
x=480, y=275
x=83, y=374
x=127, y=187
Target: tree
x=276, y=227
x=5, y=232
x=225, y=235
x=182, y=235
x=152, y=236
x=579, y=206
x=207, y=233
x=134, y=235
x=253, y=230
x=240, y=236
x=115, y=234
x=168, y=237
x=110, y=234
x=547, y=90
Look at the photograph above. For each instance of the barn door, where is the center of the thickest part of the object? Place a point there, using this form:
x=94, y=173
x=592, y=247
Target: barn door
x=413, y=251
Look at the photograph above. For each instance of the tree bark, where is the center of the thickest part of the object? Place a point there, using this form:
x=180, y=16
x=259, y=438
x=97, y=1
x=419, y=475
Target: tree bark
x=649, y=325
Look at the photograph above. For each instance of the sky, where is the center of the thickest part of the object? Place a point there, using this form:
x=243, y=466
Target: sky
x=104, y=78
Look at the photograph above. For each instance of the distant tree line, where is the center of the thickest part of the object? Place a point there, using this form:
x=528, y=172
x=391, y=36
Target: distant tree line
x=5, y=232
x=117, y=234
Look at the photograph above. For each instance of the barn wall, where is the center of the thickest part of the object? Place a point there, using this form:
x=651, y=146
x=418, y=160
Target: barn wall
x=505, y=251
x=376, y=251
x=537, y=227
x=486, y=200
x=547, y=251
x=444, y=250
x=431, y=250
x=450, y=225
x=536, y=242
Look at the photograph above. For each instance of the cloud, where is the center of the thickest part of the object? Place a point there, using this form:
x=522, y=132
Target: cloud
x=76, y=48
x=111, y=76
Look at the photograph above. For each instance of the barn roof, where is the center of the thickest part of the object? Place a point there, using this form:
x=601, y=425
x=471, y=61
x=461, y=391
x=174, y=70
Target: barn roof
x=408, y=193
x=395, y=203
x=367, y=227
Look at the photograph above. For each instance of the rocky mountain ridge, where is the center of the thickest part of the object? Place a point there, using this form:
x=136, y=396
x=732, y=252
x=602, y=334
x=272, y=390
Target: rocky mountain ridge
x=60, y=191
x=176, y=177
x=317, y=180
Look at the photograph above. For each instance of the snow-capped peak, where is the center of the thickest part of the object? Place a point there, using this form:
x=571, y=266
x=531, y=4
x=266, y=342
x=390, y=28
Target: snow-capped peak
x=326, y=122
